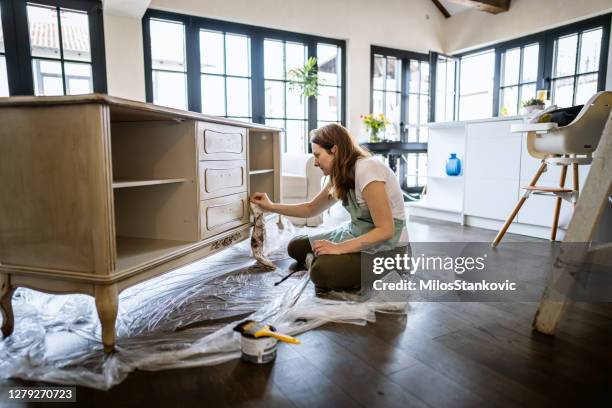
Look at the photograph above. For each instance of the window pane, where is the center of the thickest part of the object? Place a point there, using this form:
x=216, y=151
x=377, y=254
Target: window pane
x=565, y=55
x=296, y=56
x=44, y=33
x=380, y=64
x=328, y=103
x=238, y=55
x=590, y=46
x=168, y=46
x=422, y=164
x=392, y=112
x=413, y=134
x=476, y=86
x=211, y=52
x=562, y=92
x=213, y=95
x=296, y=136
x=47, y=77
x=329, y=60
x=1, y=34
x=511, y=63
x=75, y=35
x=394, y=74
x=424, y=78
x=423, y=134
x=275, y=99
x=273, y=59
x=414, y=76
x=378, y=102
x=528, y=92
x=530, y=63
x=413, y=109
x=509, y=101
x=424, y=109
x=279, y=123
x=445, y=82
x=4, y=91
x=170, y=89
x=587, y=87
x=296, y=104
x=78, y=78
x=238, y=97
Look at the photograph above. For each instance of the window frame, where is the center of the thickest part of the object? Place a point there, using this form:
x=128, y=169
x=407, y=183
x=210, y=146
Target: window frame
x=257, y=35
x=546, y=40
x=17, y=42
x=404, y=56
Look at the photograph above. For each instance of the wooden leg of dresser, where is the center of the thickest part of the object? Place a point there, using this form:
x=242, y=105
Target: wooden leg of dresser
x=107, y=304
x=6, y=307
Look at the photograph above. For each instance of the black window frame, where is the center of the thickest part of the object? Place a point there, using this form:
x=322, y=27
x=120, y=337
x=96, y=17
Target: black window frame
x=257, y=34
x=17, y=42
x=546, y=40
x=405, y=56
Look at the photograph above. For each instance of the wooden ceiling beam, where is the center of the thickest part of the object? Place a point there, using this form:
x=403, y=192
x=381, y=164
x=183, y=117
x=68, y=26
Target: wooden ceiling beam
x=490, y=6
x=442, y=9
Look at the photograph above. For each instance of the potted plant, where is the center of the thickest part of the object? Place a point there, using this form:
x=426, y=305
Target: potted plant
x=374, y=125
x=533, y=104
x=305, y=79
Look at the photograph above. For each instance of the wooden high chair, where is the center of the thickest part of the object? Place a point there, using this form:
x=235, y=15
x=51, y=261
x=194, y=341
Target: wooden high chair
x=562, y=146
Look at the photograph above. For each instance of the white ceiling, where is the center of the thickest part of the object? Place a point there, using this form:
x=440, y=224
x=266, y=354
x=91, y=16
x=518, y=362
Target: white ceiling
x=454, y=8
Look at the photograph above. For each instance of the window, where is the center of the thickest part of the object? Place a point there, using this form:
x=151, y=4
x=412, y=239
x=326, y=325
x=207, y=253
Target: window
x=56, y=48
x=285, y=107
x=329, y=102
x=400, y=90
x=60, y=50
x=576, y=67
x=446, y=70
x=476, y=85
x=387, y=92
x=569, y=62
x=168, y=63
x=4, y=91
x=241, y=72
x=225, y=60
x=518, y=78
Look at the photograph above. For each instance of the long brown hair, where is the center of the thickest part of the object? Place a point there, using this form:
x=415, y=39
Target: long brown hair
x=347, y=153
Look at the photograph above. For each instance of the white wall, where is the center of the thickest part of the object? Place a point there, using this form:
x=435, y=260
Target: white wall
x=405, y=24
x=124, y=56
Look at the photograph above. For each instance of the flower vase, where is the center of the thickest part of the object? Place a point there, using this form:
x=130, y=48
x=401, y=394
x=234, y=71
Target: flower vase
x=453, y=165
x=374, y=136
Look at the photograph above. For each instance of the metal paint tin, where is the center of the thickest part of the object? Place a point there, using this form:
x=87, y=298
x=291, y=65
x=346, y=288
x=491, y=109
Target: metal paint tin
x=260, y=350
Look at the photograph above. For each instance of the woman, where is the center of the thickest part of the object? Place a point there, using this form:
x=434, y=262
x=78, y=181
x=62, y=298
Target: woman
x=370, y=193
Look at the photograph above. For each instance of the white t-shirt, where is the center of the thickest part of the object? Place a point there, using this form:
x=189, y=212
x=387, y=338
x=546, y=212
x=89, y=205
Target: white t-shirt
x=368, y=169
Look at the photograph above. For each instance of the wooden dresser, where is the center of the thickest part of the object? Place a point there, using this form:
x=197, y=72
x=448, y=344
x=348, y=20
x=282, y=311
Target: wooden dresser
x=99, y=193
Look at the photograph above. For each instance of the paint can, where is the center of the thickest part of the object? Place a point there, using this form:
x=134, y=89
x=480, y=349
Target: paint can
x=259, y=350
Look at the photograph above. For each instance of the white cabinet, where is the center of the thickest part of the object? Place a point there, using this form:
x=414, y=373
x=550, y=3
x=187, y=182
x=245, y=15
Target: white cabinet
x=492, y=166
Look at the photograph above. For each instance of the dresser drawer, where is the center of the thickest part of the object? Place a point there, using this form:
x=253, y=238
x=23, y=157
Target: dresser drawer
x=221, y=142
x=218, y=178
x=223, y=213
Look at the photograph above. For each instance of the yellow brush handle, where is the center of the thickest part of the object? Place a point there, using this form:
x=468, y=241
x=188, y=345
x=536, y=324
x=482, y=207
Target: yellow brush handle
x=277, y=336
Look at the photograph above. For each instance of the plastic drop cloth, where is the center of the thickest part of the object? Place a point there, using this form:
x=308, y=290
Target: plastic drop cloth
x=181, y=319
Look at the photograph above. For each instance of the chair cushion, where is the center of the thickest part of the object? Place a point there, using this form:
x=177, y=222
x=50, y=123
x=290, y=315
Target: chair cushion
x=294, y=186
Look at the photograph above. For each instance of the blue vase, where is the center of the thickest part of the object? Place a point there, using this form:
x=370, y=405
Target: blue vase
x=453, y=165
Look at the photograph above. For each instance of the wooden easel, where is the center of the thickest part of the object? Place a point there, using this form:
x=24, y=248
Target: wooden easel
x=589, y=208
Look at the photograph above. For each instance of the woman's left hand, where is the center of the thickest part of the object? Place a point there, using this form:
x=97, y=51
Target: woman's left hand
x=325, y=247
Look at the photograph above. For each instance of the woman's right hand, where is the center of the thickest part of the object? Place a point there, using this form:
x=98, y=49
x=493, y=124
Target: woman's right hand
x=262, y=200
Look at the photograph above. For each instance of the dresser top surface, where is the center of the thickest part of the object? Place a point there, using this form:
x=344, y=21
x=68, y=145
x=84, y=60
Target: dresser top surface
x=125, y=105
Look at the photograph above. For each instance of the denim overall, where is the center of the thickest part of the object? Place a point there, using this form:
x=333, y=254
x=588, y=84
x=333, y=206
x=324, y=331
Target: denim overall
x=361, y=222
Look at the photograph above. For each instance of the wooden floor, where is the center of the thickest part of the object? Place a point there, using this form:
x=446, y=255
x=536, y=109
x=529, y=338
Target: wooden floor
x=438, y=355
